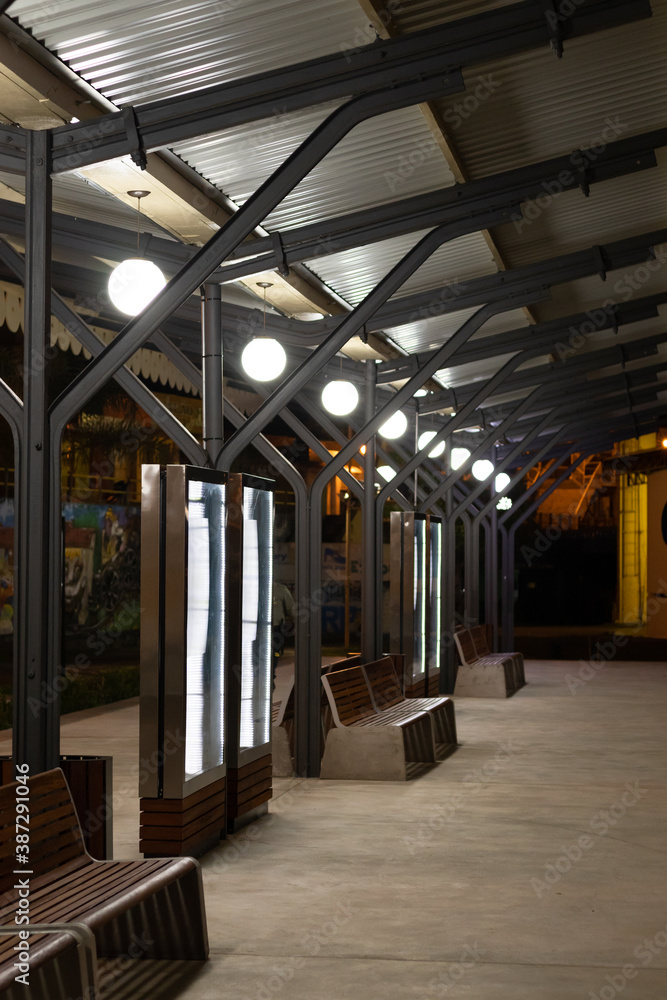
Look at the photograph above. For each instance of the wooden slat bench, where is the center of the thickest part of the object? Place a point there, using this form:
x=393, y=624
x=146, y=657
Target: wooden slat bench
x=489, y=676
x=158, y=902
x=481, y=644
x=385, y=688
x=365, y=743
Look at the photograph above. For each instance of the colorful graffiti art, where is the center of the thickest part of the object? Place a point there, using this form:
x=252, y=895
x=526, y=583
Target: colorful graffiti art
x=101, y=563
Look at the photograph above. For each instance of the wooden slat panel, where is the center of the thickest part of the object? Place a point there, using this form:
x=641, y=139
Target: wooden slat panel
x=182, y=805
x=384, y=682
x=248, y=795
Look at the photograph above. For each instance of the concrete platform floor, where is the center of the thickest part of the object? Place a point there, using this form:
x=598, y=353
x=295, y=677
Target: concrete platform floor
x=531, y=864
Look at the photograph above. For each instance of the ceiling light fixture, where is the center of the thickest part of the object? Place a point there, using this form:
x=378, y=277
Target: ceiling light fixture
x=482, y=469
x=264, y=359
x=136, y=281
x=395, y=426
x=424, y=440
x=458, y=457
x=340, y=397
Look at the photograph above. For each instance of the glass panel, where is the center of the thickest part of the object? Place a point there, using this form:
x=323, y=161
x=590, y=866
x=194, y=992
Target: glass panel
x=256, y=647
x=436, y=610
x=420, y=598
x=204, y=725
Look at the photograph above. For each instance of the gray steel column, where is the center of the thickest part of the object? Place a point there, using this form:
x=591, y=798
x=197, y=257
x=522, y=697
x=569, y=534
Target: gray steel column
x=506, y=638
x=212, y=402
x=369, y=651
x=491, y=610
x=448, y=667
x=36, y=699
x=471, y=610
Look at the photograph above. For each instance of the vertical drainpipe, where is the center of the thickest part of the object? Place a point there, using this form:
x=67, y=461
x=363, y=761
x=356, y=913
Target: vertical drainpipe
x=212, y=403
x=369, y=536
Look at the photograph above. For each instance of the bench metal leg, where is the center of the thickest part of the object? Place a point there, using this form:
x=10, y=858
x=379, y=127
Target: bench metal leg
x=167, y=924
x=86, y=950
x=419, y=742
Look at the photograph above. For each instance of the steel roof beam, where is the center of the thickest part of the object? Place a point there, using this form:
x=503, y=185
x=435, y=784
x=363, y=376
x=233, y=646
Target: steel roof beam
x=439, y=301
x=549, y=335
x=350, y=71
x=646, y=403
x=594, y=388
x=451, y=204
x=603, y=357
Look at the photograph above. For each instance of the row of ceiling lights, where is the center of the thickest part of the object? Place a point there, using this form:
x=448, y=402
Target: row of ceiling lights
x=136, y=281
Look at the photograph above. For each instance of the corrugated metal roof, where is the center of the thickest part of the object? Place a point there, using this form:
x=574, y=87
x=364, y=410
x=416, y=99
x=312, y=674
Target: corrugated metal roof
x=392, y=156
x=616, y=209
x=155, y=49
x=426, y=334
x=356, y=272
x=78, y=197
x=537, y=106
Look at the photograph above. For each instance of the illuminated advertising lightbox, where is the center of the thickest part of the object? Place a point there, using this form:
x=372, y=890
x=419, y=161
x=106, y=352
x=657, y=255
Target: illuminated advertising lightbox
x=250, y=653
x=183, y=629
x=415, y=595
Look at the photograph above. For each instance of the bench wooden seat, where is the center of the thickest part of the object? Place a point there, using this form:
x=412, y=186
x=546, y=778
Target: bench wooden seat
x=157, y=901
x=481, y=644
x=488, y=676
x=385, y=688
x=365, y=743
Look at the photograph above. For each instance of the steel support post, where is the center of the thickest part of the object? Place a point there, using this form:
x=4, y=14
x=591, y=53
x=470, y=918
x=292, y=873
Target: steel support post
x=369, y=651
x=36, y=695
x=491, y=589
x=448, y=668
x=471, y=609
x=212, y=402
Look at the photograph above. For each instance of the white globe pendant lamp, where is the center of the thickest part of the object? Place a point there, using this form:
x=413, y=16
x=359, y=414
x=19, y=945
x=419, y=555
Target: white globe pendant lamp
x=501, y=482
x=482, y=469
x=424, y=440
x=340, y=397
x=136, y=281
x=395, y=426
x=264, y=359
x=458, y=457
